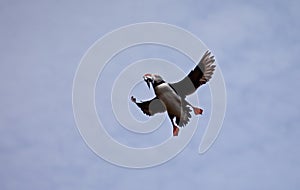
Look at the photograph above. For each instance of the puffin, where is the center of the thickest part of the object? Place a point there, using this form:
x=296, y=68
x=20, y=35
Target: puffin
x=171, y=97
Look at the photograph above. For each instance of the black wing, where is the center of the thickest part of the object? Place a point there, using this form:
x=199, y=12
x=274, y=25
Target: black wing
x=150, y=107
x=200, y=75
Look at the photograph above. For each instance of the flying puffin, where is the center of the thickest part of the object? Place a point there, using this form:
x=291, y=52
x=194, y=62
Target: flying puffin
x=170, y=97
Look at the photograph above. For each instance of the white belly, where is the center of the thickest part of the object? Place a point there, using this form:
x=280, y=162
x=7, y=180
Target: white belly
x=168, y=96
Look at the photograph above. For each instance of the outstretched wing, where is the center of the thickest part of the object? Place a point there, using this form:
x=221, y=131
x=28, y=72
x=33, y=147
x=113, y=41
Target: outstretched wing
x=200, y=75
x=150, y=107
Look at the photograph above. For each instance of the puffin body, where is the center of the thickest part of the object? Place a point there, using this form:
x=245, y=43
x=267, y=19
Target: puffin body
x=174, y=105
x=170, y=97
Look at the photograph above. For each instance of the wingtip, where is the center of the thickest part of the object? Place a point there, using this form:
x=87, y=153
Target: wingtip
x=207, y=53
x=133, y=99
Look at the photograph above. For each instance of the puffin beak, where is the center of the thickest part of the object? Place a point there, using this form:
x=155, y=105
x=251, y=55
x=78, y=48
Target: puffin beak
x=148, y=80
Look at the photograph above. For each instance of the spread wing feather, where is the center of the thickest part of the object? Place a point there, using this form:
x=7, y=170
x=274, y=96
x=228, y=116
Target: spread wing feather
x=150, y=107
x=201, y=74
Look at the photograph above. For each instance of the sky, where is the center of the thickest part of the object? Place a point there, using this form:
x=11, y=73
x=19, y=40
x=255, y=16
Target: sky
x=256, y=44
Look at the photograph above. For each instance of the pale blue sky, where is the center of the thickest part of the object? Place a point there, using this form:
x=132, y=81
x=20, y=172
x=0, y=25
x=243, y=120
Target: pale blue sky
x=256, y=44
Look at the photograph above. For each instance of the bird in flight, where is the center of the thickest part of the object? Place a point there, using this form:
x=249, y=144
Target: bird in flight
x=170, y=97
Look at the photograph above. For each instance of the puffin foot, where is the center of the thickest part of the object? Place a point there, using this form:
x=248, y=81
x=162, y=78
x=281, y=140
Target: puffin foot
x=175, y=131
x=197, y=111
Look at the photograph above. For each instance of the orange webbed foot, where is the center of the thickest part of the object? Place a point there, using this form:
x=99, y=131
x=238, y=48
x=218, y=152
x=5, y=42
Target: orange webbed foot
x=175, y=131
x=197, y=111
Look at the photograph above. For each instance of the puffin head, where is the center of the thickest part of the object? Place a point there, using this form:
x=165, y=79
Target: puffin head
x=152, y=79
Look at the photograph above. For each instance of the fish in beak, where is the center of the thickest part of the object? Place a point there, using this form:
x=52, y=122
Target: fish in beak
x=148, y=79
